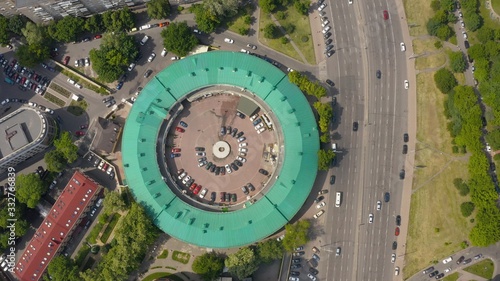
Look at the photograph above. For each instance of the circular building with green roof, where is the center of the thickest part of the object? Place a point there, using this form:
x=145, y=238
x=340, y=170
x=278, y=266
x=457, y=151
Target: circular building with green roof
x=176, y=132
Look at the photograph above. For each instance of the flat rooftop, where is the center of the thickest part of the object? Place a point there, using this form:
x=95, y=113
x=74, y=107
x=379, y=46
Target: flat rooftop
x=18, y=129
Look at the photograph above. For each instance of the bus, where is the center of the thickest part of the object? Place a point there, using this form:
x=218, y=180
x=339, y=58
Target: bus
x=338, y=199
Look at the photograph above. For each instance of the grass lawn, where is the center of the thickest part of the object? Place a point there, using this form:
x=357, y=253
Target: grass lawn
x=485, y=14
x=181, y=257
x=163, y=255
x=77, y=108
x=109, y=229
x=484, y=268
x=158, y=275
x=53, y=99
x=92, y=237
x=422, y=45
x=302, y=30
x=435, y=218
x=417, y=13
x=430, y=61
x=495, y=4
x=452, y=277
x=238, y=21
x=275, y=44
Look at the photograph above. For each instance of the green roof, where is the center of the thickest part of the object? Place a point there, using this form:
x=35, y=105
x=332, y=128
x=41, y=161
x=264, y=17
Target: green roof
x=296, y=174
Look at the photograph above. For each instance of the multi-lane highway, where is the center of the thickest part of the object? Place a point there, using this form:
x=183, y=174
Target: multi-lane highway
x=371, y=157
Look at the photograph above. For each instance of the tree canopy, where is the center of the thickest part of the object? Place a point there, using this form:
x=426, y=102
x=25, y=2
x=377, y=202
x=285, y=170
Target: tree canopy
x=94, y=24
x=242, y=263
x=64, y=144
x=296, y=235
x=17, y=23
x=33, y=54
x=62, y=268
x=209, y=265
x=178, y=38
x=325, y=158
x=221, y=8
x=268, y=6
x=29, y=189
x=4, y=31
x=55, y=161
x=113, y=202
x=270, y=250
x=158, y=9
x=325, y=112
x=457, y=62
x=67, y=29
x=445, y=80
x=206, y=20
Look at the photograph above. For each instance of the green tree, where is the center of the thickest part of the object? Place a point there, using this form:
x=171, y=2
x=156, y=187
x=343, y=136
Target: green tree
x=62, y=268
x=29, y=189
x=33, y=54
x=205, y=19
x=325, y=138
x=270, y=250
x=302, y=6
x=492, y=50
x=477, y=51
x=435, y=5
x=94, y=24
x=123, y=20
x=444, y=32
x=296, y=235
x=467, y=208
x=447, y=5
x=445, y=80
x=4, y=31
x=113, y=202
x=67, y=29
x=441, y=16
x=457, y=62
x=432, y=26
x=271, y=31
x=209, y=265
x=64, y=144
x=268, y=6
x=325, y=113
x=158, y=9
x=17, y=23
x=243, y=31
x=473, y=21
x=242, y=263
x=325, y=158
x=178, y=38
x=35, y=34
x=485, y=34
x=462, y=186
x=493, y=138
x=281, y=15
x=221, y=8
x=55, y=161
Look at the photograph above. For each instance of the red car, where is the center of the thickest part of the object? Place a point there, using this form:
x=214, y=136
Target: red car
x=386, y=15
x=193, y=186
x=105, y=167
x=180, y=130
x=197, y=190
x=79, y=133
x=98, y=36
x=397, y=231
x=176, y=150
x=66, y=60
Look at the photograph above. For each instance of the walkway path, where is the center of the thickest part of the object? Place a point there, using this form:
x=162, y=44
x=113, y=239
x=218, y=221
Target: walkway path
x=493, y=13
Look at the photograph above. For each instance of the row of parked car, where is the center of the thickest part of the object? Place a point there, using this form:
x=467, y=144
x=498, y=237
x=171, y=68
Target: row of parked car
x=296, y=264
x=102, y=165
x=25, y=77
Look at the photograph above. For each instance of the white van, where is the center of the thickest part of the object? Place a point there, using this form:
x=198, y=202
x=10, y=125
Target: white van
x=338, y=199
x=334, y=147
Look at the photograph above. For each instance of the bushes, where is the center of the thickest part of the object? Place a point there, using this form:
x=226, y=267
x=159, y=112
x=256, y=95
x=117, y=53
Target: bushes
x=462, y=187
x=325, y=113
x=271, y=31
x=306, y=86
x=457, y=62
x=467, y=208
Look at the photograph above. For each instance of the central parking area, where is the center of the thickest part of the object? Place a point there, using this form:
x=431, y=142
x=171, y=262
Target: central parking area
x=217, y=154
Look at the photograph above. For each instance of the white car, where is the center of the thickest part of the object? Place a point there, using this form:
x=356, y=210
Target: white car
x=325, y=23
x=318, y=214
x=407, y=84
x=370, y=218
x=202, y=163
x=87, y=61
x=396, y=271
x=34, y=104
x=403, y=47
x=6, y=101
x=447, y=260
x=50, y=111
x=151, y=57
x=174, y=58
x=321, y=205
x=320, y=8
x=245, y=51
x=447, y=270
x=462, y=24
x=78, y=85
x=260, y=125
x=460, y=15
x=182, y=175
x=350, y=2
x=259, y=131
x=242, y=149
x=71, y=81
x=228, y=169
x=164, y=52
x=131, y=67
x=379, y=205
x=227, y=40
x=326, y=29
x=243, y=144
x=186, y=179
x=393, y=258
x=464, y=34
x=203, y=193
x=312, y=277
x=147, y=26
x=243, y=160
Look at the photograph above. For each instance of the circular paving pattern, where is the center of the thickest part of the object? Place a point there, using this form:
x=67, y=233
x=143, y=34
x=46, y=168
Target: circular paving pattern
x=199, y=94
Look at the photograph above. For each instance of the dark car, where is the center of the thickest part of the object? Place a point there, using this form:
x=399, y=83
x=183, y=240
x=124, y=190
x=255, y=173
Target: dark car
x=478, y=256
x=466, y=44
x=460, y=259
x=297, y=260
x=212, y=169
x=228, y=130
x=317, y=200
x=245, y=190
x=398, y=220
x=428, y=270
x=223, y=196
x=332, y=179
x=295, y=266
x=119, y=86
x=402, y=174
x=313, y=271
x=294, y=273
x=440, y=275
x=233, y=132
x=239, y=135
x=233, y=197
x=405, y=149
x=241, y=115
x=334, y=101
x=212, y=196
x=330, y=83
x=434, y=273
x=379, y=74
x=327, y=35
x=467, y=261
x=250, y=186
x=147, y=73
x=234, y=167
x=355, y=126
x=387, y=197
x=330, y=53
x=394, y=245
x=406, y=137
x=228, y=197
x=264, y=172
x=238, y=162
x=210, y=164
x=198, y=148
x=328, y=41
x=222, y=130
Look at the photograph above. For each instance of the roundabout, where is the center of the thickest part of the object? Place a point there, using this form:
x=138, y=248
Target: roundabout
x=220, y=149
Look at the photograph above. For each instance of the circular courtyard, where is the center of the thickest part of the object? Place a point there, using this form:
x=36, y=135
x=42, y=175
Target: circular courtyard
x=220, y=149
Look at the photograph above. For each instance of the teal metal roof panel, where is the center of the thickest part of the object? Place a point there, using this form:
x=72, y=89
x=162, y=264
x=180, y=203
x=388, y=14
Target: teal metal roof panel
x=296, y=175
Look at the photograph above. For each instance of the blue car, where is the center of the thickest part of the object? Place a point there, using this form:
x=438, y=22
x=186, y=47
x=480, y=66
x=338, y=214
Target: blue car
x=119, y=86
x=173, y=155
x=183, y=124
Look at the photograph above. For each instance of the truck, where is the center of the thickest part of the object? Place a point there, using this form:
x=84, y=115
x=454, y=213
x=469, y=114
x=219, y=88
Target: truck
x=144, y=40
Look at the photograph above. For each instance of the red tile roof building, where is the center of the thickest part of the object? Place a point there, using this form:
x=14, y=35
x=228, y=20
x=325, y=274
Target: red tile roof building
x=56, y=229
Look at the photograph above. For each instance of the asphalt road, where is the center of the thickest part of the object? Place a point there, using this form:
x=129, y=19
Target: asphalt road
x=371, y=157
